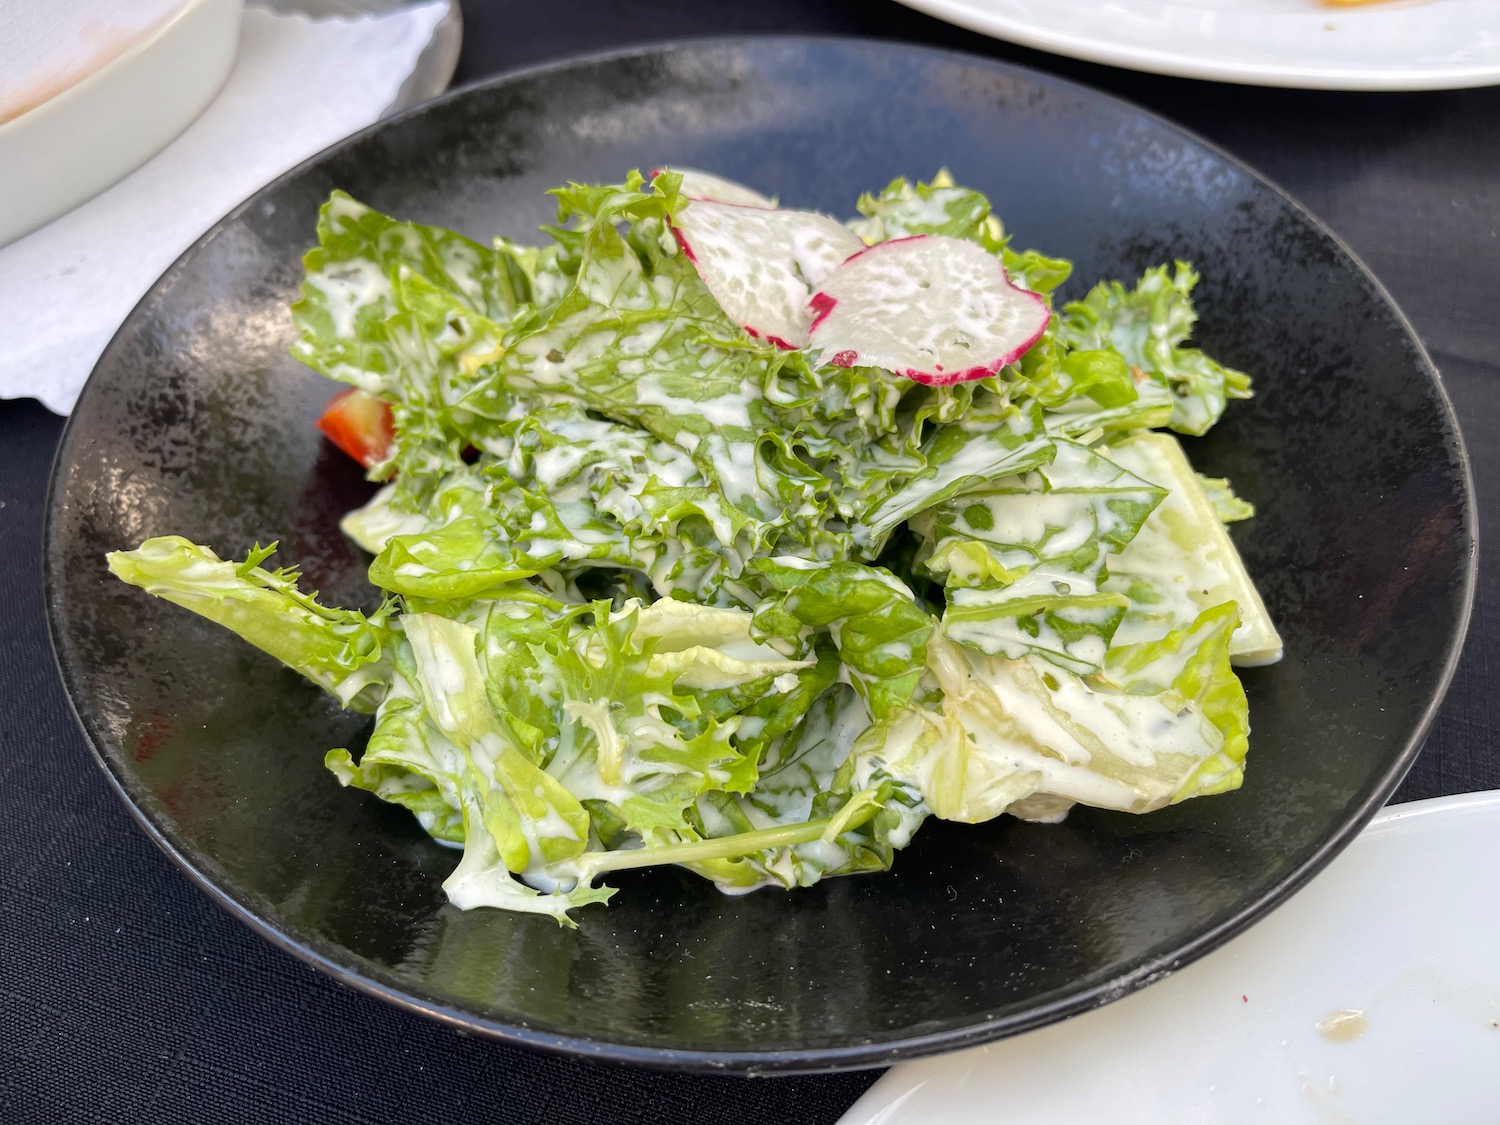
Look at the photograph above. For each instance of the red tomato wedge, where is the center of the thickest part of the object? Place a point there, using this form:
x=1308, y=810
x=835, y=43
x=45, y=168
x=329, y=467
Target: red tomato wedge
x=360, y=424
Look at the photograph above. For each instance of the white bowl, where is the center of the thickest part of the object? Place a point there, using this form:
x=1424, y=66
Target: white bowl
x=80, y=141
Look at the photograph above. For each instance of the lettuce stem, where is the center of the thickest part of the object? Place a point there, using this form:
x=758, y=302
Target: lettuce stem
x=592, y=864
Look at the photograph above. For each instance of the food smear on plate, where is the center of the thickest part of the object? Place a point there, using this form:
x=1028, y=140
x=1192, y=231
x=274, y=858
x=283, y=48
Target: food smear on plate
x=736, y=538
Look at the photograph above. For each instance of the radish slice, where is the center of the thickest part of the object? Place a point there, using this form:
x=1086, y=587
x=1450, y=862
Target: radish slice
x=705, y=185
x=935, y=309
x=761, y=265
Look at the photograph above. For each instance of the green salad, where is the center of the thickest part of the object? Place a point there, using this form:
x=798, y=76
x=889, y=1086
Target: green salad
x=730, y=536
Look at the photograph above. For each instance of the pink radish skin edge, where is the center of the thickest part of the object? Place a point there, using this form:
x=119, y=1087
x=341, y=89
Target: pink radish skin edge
x=727, y=203
x=777, y=340
x=822, y=304
x=683, y=242
x=687, y=251
x=941, y=379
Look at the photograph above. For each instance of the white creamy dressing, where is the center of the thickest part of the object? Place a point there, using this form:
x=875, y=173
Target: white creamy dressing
x=917, y=212
x=486, y=882
x=998, y=631
x=448, y=671
x=1040, y=582
x=725, y=410
x=548, y=287
x=550, y=466
x=824, y=854
x=347, y=287
x=576, y=518
x=341, y=206
x=1025, y=730
x=587, y=784
x=711, y=507
x=1185, y=557
x=613, y=279
x=1137, y=728
x=460, y=260
x=546, y=362
x=1057, y=522
x=795, y=562
x=440, y=666
x=979, y=458
x=709, y=669
x=552, y=826
x=734, y=465
x=1019, y=770
x=645, y=339
x=375, y=524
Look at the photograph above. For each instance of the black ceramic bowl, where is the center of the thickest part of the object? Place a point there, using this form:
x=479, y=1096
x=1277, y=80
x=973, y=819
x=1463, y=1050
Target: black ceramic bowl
x=197, y=422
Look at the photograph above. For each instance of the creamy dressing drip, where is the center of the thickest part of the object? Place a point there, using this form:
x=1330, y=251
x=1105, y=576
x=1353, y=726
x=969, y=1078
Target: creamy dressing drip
x=1183, y=560
x=725, y=410
x=348, y=287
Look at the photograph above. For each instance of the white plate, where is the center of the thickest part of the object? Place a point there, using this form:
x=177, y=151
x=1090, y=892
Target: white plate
x=1372, y=997
x=1387, y=45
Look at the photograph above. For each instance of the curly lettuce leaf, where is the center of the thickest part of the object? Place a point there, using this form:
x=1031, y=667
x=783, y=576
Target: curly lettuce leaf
x=1193, y=663
x=1229, y=507
x=408, y=313
x=823, y=807
x=903, y=209
x=1149, y=326
x=941, y=207
x=1028, y=738
x=873, y=619
x=958, y=459
x=343, y=651
x=368, y=268
x=1183, y=561
x=1023, y=557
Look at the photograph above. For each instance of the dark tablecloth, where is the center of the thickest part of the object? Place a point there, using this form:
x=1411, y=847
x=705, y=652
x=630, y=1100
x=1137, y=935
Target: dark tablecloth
x=126, y=996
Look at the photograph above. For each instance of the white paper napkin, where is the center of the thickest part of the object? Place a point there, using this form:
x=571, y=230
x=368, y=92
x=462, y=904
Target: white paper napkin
x=297, y=86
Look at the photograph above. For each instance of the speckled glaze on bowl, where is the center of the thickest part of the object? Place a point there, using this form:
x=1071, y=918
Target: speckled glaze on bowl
x=197, y=422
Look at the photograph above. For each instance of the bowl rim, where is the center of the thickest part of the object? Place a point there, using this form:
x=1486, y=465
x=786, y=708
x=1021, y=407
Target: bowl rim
x=781, y=1060
x=207, y=30
x=147, y=38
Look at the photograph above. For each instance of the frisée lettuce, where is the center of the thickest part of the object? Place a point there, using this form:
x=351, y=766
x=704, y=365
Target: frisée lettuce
x=744, y=540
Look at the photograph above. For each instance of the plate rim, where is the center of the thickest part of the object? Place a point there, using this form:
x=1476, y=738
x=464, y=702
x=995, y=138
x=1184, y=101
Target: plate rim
x=785, y=1060
x=1176, y=64
x=886, y=1101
